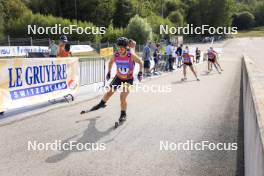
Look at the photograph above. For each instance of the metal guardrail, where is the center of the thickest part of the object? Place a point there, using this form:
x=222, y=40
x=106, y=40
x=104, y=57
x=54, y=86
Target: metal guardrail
x=92, y=70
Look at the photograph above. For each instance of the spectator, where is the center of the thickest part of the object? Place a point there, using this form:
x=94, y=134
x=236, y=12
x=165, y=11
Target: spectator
x=179, y=55
x=64, y=52
x=53, y=49
x=174, y=55
x=68, y=49
x=156, y=56
x=197, y=55
x=169, y=62
x=187, y=49
x=132, y=46
x=146, y=58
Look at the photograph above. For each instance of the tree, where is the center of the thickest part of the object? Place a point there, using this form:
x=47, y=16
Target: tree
x=139, y=30
x=259, y=14
x=198, y=12
x=171, y=6
x=244, y=20
x=99, y=12
x=1, y=20
x=221, y=12
x=177, y=18
x=123, y=12
x=211, y=12
x=43, y=7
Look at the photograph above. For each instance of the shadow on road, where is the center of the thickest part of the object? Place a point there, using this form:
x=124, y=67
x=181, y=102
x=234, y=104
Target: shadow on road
x=13, y=112
x=90, y=136
x=183, y=82
x=205, y=73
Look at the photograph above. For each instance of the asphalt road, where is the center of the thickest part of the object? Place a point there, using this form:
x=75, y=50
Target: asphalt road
x=252, y=47
x=199, y=111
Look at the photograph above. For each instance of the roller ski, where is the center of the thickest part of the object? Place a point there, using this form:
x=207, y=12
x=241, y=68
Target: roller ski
x=121, y=120
x=156, y=73
x=96, y=107
x=185, y=79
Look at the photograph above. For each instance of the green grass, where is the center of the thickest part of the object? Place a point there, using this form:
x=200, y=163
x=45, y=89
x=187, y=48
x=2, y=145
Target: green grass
x=254, y=32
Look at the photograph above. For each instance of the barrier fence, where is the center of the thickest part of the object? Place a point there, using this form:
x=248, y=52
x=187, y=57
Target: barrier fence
x=92, y=70
x=87, y=71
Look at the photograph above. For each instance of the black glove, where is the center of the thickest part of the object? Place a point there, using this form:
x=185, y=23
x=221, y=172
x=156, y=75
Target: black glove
x=108, y=76
x=139, y=76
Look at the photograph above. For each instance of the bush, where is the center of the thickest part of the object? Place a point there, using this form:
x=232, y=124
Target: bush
x=113, y=33
x=139, y=30
x=244, y=20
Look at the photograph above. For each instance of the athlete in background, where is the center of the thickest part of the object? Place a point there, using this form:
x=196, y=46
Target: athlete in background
x=156, y=56
x=212, y=60
x=187, y=61
x=179, y=56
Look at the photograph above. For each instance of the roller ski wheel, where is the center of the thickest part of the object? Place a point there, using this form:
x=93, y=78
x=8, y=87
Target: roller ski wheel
x=120, y=121
x=68, y=98
x=156, y=73
x=116, y=124
x=209, y=71
x=83, y=112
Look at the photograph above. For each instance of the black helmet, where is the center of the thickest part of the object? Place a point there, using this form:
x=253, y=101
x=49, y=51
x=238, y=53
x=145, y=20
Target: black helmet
x=63, y=38
x=122, y=41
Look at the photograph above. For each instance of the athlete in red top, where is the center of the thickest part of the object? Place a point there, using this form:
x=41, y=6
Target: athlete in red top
x=187, y=61
x=212, y=60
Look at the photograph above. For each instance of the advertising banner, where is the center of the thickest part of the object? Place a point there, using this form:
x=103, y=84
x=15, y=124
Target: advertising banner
x=19, y=51
x=106, y=51
x=28, y=81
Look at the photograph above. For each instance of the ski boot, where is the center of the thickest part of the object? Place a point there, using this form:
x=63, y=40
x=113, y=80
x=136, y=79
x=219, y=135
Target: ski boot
x=96, y=107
